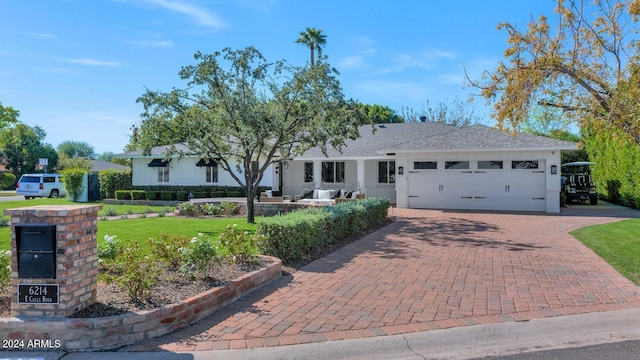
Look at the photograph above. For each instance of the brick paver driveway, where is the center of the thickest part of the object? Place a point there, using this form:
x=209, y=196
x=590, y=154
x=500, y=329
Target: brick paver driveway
x=427, y=270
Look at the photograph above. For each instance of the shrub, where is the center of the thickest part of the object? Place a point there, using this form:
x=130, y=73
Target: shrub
x=110, y=248
x=73, y=182
x=5, y=220
x=138, y=195
x=7, y=179
x=112, y=180
x=168, y=248
x=110, y=211
x=210, y=209
x=167, y=195
x=189, y=209
x=133, y=270
x=123, y=195
x=240, y=245
x=299, y=233
x=199, y=194
x=199, y=254
x=182, y=195
x=229, y=208
x=5, y=269
x=152, y=195
x=218, y=193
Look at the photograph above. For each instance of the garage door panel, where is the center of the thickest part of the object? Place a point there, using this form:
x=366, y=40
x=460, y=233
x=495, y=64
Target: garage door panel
x=522, y=189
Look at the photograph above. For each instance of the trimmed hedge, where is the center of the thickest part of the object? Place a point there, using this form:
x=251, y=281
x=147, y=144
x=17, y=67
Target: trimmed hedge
x=182, y=195
x=123, y=195
x=297, y=234
x=167, y=195
x=152, y=195
x=138, y=195
x=112, y=180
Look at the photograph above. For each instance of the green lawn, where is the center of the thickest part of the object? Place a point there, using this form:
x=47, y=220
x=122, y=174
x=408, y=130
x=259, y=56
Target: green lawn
x=617, y=243
x=120, y=209
x=144, y=228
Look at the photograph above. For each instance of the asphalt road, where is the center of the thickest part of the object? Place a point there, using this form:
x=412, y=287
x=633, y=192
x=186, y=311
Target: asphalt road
x=625, y=350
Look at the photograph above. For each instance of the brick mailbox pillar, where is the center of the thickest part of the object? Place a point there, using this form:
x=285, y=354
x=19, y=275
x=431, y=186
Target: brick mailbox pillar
x=54, y=255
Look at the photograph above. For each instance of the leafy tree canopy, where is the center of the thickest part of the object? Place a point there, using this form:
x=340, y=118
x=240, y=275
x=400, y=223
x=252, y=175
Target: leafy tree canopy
x=379, y=114
x=8, y=116
x=22, y=147
x=239, y=107
x=76, y=149
x=584, y=63
x=456, y=113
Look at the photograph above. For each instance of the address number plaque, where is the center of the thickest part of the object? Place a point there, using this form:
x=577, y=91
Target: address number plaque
x=38, y=293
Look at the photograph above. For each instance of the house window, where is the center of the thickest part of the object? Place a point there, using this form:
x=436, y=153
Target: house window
x=163, y=174
x=308, y=172
x=489, y=165
x=386, y=172
x=456, y=165
x=425, y=165
x=211, y=174
x=524, y=164
x=333, y=171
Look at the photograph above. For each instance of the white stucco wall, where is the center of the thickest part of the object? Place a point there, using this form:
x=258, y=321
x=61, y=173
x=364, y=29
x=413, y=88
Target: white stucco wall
x=184, y=172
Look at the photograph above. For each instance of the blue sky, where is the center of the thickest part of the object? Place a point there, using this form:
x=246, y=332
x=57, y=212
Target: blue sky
x=76, y=67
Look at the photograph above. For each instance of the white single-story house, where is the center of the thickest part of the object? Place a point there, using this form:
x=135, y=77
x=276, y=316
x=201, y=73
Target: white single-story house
x=414, y=165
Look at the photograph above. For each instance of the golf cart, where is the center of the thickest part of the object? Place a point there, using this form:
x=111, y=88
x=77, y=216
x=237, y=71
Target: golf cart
x=577, y=184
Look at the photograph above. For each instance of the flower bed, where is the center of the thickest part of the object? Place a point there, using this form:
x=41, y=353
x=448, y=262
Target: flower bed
x=81, y=334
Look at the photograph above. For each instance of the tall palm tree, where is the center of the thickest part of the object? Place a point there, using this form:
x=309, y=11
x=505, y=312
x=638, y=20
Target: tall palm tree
x=312, y=38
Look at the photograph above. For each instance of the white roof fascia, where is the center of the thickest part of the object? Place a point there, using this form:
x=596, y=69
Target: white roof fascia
x=477, y=149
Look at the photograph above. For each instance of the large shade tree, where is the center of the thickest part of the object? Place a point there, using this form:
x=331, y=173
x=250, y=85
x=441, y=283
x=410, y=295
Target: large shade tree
x=8, y=116
x=238, y=108
x=585, y=62
x=23, y=146
x=313, y=38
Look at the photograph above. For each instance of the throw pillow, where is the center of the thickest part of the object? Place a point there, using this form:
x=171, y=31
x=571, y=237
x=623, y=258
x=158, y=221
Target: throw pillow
x=324, y=194
x=276, y=193
x=348, y=195
x=269, y=193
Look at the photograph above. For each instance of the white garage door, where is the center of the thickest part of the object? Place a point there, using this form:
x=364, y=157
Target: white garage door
x=521, y=188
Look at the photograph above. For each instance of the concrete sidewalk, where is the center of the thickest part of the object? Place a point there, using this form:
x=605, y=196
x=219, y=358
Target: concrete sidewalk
x=455, y=343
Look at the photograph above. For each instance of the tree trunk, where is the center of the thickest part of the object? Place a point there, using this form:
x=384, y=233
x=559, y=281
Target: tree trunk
x=312, y=46
x=251, y=194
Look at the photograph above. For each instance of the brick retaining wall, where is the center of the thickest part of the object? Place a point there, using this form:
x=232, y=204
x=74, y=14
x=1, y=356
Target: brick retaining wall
x=116, y=331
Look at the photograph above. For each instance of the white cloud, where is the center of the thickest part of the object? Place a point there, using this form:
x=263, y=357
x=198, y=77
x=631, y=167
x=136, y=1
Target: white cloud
x=352, y=63
x=198, y=14
x=93, y=62
x=40, y=35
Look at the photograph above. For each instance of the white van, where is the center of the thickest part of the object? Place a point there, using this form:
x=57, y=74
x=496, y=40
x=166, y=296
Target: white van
x=40, y=185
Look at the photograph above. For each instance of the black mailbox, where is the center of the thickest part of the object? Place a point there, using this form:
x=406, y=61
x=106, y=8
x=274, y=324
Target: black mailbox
x=36, y=251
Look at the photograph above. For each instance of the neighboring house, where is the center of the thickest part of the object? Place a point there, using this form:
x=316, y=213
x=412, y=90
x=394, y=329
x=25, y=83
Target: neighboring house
x=99, y=165
x=152, y=169
x=414, y=165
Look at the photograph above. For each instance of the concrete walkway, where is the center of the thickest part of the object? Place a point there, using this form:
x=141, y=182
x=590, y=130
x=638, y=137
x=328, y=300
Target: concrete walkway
x=427, y=270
